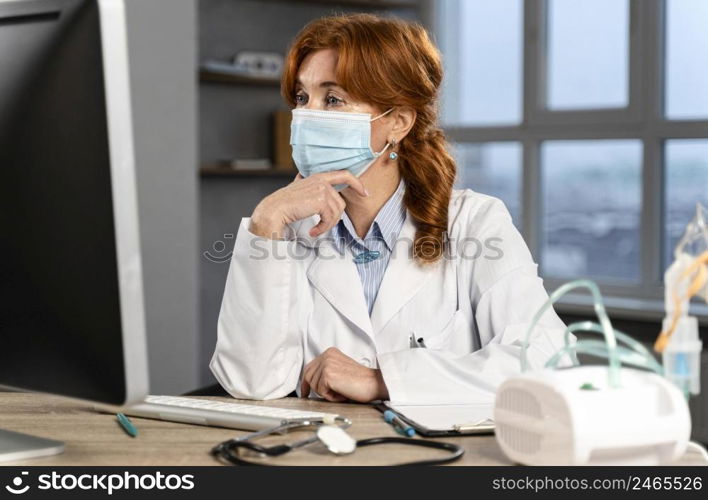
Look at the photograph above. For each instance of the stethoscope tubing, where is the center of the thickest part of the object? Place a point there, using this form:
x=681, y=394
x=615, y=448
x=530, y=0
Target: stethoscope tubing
x=229, y=450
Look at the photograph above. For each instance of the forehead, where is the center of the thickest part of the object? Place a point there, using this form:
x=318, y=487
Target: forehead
x=317, y=67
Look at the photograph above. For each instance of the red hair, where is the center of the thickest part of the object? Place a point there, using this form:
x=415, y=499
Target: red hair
x=388, y=62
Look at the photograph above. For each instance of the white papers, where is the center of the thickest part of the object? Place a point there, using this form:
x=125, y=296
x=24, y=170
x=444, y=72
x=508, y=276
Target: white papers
x=461, y=418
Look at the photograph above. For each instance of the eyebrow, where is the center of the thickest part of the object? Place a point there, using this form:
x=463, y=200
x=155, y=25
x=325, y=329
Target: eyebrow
x=323, y=84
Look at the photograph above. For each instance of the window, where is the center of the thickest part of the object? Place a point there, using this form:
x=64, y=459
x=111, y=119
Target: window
x=588, y=54
x=592, y=194
x=589, y=120
x=492, y=168
x=686, y=54
x=686, y=183
x=483, y=63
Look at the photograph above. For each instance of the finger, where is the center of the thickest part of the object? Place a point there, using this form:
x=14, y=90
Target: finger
x=341, y=204
x=337, y=205
x=318, y=229
x=306, y=384
x=315, y=380
x=348, y=359
x=333, y=352
x=321, y=386
x=331, y=395
x=322, y=380
x=341, y=359
x=328, y=391
x=329, y=216
x=323, y=206
x=304, y=389
x=308, y=369
x=335, y=397
x=346, y=177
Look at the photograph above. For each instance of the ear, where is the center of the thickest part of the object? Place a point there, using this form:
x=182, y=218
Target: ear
x=403, y=120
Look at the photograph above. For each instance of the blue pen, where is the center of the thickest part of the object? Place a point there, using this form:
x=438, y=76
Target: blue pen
x=127, y=425
x=398, y=424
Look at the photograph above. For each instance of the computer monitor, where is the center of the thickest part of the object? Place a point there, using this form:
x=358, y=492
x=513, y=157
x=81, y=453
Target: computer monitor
x=71, y=293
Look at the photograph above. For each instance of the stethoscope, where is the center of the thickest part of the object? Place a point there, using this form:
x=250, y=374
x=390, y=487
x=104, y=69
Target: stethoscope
x=330, y=433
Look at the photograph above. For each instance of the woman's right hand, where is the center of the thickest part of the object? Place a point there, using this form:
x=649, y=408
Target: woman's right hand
x=303, y=198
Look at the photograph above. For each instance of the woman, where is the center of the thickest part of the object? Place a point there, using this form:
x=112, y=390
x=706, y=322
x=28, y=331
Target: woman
x=368, y=277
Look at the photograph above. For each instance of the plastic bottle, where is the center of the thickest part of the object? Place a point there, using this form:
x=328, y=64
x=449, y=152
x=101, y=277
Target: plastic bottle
x=682, y=356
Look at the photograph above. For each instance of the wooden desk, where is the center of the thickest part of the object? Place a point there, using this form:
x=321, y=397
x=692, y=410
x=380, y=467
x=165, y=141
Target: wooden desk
x=94, y=438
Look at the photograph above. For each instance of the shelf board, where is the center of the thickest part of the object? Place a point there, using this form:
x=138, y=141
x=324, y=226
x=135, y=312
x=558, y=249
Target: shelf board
x=381, y=4
x=215, y=77
x=216, y=171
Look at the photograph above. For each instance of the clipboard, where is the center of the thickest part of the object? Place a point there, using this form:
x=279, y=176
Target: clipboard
x=444, y=420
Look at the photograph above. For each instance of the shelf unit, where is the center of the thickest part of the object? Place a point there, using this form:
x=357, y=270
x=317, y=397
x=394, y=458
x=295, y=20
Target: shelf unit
x=216, y=77
x=217, y=171
x=384, y=4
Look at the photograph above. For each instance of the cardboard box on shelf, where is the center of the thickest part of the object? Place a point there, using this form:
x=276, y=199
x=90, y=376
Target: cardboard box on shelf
x=282, y=152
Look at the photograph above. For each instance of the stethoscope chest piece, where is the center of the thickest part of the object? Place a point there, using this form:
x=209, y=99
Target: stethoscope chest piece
x=336, y=440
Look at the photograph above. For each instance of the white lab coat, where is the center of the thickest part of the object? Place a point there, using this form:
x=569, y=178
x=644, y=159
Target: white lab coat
x=287, y=301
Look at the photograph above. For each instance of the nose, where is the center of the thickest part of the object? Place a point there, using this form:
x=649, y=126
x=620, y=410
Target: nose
x=317, y=106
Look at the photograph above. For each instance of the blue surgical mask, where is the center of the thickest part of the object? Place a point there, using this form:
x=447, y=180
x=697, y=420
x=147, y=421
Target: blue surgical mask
x=323, y=141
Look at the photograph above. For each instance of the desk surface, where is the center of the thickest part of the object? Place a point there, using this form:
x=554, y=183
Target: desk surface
x=94, y=438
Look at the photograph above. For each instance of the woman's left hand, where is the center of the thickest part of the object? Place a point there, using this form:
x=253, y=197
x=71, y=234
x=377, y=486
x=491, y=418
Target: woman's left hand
x=337, y=377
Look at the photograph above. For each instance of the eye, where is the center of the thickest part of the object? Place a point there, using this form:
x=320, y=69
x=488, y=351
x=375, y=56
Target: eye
x=300, y=99
x=332, y=100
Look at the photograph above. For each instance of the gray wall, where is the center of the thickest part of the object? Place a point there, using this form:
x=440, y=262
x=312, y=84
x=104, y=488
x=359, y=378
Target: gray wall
x=162, y=45
x=235, y=122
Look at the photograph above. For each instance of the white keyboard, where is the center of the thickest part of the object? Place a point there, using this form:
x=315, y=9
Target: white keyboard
x=215, y=413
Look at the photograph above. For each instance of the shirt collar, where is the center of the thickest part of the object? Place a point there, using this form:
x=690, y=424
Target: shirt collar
x=387, y=224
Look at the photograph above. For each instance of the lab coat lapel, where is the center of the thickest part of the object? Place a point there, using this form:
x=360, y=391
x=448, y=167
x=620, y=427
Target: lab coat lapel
x=402, y=280
x=335, y=276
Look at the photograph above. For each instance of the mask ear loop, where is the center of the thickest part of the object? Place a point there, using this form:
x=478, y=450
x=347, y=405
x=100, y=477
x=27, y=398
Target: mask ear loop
x=382, y=114
x=382, y=151
x=377, y=155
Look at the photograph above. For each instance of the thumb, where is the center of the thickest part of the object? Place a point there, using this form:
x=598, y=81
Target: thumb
x=304, y=389
x=318, y=229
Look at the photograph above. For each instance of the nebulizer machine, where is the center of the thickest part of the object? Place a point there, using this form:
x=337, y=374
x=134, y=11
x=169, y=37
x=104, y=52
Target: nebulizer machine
x=632, y=411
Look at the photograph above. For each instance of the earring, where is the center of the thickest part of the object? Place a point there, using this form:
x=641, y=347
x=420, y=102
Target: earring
x=393, y=155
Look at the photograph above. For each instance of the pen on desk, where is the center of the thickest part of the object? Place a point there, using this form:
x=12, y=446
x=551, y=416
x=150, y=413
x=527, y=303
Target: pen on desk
x=415, y=341
x=127, y=425
x=398, y=424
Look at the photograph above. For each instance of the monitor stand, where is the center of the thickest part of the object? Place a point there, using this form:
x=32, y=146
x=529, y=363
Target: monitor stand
x=18, y=446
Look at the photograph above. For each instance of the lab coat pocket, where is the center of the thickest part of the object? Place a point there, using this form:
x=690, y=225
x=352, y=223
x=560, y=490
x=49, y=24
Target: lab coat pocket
x=440, y=340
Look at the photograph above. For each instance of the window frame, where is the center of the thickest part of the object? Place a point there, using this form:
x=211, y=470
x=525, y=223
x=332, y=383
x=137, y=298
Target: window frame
x=642, y=119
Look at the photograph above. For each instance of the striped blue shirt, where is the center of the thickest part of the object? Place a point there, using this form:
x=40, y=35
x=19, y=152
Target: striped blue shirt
x=381, y=237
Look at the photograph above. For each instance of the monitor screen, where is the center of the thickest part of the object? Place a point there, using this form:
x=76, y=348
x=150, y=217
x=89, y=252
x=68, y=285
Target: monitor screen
x=60, y=318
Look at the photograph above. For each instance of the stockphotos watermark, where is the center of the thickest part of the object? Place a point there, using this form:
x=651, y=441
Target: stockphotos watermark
x=260, y=248
x=103, y=483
